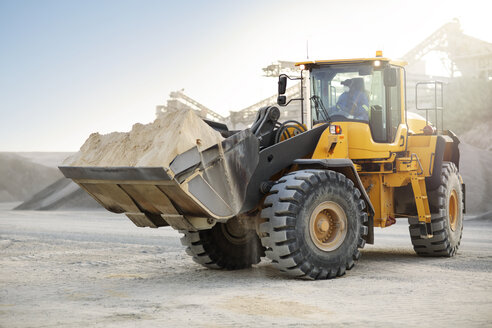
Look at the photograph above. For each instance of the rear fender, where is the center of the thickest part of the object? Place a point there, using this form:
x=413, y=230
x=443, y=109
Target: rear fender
x=446, y=150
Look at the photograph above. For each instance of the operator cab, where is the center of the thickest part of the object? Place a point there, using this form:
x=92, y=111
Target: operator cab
x=367, y=90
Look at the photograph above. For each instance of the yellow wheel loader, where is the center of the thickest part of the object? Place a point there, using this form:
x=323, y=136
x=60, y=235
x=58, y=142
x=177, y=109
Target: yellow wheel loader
x=307, y=194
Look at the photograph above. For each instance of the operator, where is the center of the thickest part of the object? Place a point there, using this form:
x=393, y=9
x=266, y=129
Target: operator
x=353, y=101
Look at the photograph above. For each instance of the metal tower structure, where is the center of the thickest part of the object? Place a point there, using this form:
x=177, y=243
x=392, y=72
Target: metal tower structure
x=241, y=119
x=468, y=55
x=280, y=67
x=178, y=100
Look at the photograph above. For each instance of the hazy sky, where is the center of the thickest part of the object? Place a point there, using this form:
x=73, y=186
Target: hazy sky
x=70, y=68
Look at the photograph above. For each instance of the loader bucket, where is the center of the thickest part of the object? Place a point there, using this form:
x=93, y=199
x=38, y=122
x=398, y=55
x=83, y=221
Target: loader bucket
x=208, y=184
x=217, y=183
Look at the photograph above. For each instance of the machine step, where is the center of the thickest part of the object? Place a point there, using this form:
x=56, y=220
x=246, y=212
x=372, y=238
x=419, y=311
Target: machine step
x=426, y=230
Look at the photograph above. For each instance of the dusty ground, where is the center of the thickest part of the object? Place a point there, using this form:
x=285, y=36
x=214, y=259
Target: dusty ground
x=95, y=269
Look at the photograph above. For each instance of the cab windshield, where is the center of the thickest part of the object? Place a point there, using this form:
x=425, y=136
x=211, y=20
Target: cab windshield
x=347, y=92
x=355, y=92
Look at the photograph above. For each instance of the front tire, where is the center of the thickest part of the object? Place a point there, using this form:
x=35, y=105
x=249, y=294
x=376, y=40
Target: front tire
x=225, y=246
x=446, y=205
x=314, y=224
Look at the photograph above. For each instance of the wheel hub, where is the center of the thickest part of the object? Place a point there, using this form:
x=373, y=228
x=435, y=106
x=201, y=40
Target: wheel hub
x=323, y=225
x=453, y=210
x=235, y=232
x=328, y=226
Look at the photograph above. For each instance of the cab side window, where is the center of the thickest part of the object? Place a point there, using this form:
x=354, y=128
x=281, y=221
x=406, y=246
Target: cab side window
x=377, y=99
x=385, y=108
x=394, y=109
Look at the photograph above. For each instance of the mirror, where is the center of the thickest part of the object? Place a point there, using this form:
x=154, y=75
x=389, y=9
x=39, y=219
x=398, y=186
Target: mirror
x=390, y=77
x=281, y=100
x=282, y=84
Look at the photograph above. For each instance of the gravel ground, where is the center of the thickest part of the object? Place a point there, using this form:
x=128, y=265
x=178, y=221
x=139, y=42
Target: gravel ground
x=79, y=269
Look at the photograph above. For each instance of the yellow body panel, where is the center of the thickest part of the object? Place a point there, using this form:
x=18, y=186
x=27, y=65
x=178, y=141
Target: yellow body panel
x=424, y=147
x=356, y=143
x=381, y=198
x=331, y=146
x=416, y=123
x=398, y=179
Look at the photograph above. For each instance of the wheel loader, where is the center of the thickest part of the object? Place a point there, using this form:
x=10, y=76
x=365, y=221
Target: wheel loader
x=307, y=195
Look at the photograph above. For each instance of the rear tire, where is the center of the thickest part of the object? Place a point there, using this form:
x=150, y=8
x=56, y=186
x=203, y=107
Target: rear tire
x=446, y=205
x=314, y=224
x=226, y=246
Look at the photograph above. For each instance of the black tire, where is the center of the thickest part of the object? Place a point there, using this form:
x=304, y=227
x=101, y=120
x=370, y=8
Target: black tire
x=225, y=246
x=447, y=228
x=288, y=212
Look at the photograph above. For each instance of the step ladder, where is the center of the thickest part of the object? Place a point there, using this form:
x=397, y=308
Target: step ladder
x=422, y=203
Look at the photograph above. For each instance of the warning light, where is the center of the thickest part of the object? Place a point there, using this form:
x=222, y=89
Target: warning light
x=335, y=129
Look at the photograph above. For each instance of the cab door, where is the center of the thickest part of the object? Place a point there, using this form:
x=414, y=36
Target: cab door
x=387, y=127
x=387, y=105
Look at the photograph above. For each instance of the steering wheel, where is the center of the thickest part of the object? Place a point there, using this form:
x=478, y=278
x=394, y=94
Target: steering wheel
x=283, y=130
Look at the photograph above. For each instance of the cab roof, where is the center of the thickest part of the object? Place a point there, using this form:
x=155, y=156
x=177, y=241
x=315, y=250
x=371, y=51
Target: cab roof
x=351, y=61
